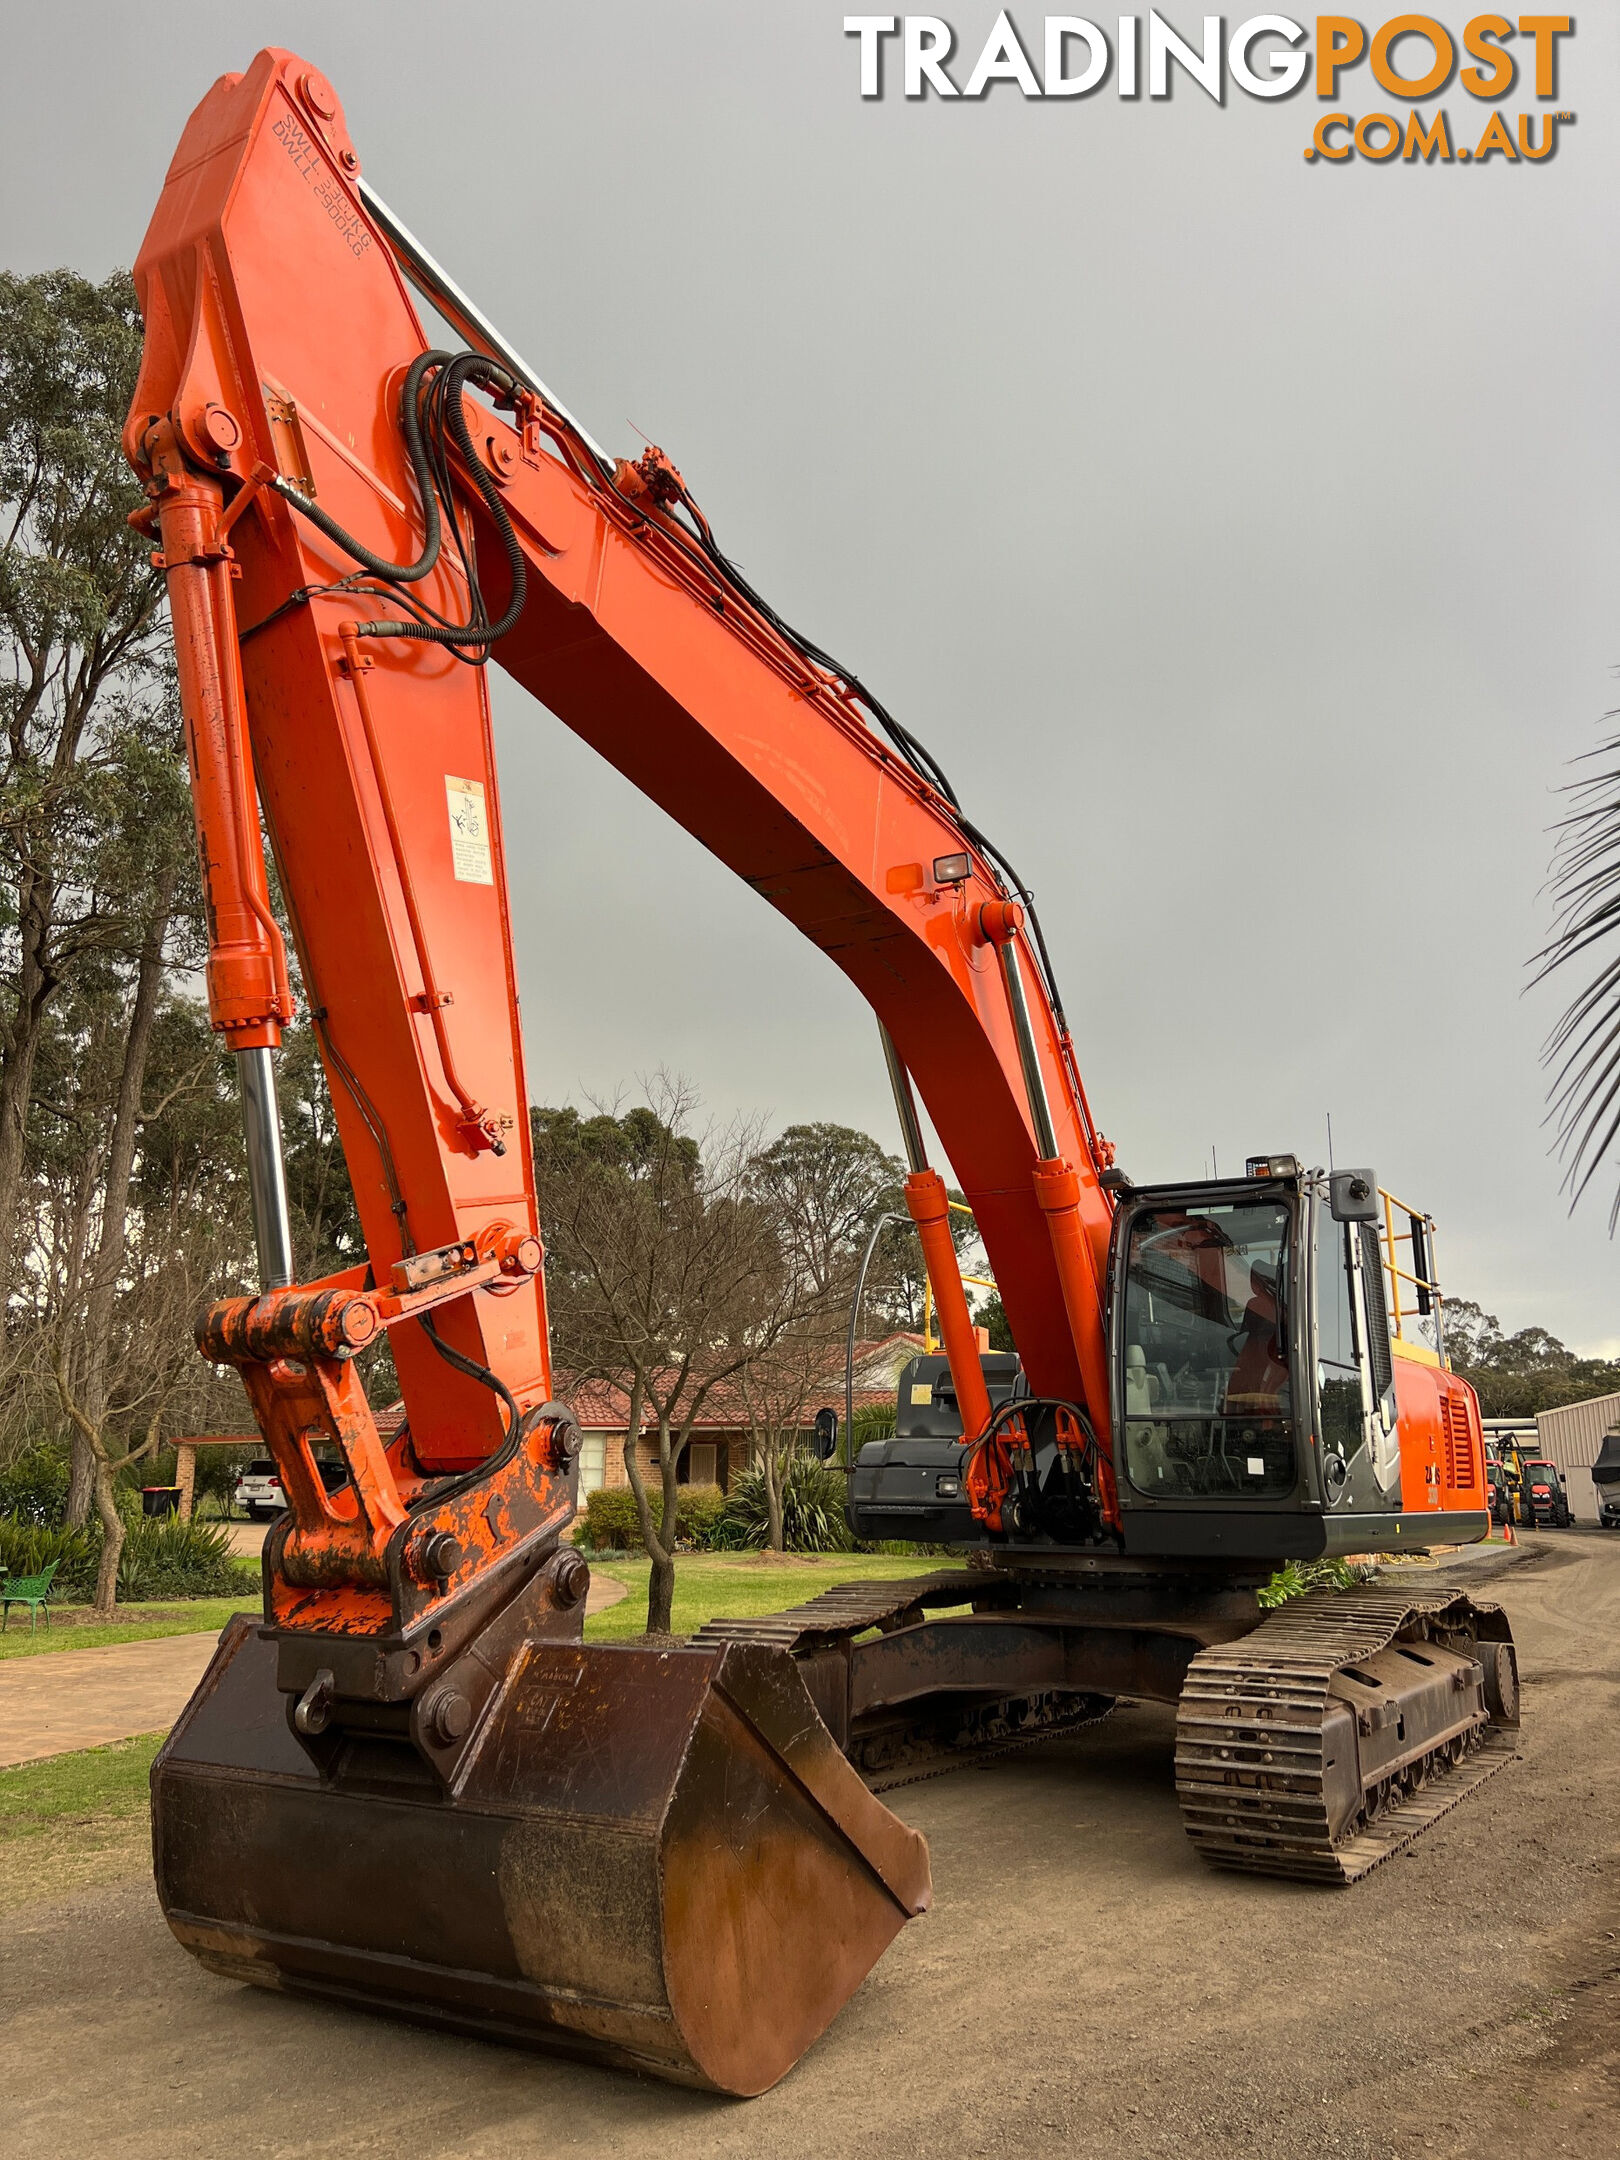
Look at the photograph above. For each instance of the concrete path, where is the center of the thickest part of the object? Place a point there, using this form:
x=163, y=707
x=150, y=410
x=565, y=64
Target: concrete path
x=64, y=1700
x=604, y=1591
x=67, y=1699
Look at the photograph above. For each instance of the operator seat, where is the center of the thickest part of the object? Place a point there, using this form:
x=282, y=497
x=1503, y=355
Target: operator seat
x=1258, y=1382
x=1151, y=1464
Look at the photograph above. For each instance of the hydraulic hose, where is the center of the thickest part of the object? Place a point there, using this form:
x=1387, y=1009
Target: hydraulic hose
x=449, y=414
x=441, y=405
x=416, y=449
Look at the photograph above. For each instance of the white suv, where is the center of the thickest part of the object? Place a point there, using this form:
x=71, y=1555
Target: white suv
x=258, y=1489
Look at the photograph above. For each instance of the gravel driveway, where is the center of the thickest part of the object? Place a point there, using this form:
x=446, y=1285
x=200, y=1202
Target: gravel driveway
x=1081, y=1987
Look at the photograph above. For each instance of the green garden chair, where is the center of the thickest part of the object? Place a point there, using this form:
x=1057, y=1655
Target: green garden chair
x=34, y=1591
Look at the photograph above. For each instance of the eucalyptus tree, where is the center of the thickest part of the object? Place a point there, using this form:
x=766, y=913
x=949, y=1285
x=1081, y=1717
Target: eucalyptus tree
x=91, y=786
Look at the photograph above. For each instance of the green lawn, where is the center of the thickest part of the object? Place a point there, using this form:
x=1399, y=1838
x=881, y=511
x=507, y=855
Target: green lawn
x=68, y=1631
x=75, y=1820
x=103, y=1782
x=709, y=1584
x=705, y=1584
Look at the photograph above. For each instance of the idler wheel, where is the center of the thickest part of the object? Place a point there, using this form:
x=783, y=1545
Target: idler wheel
x=1501, y=1681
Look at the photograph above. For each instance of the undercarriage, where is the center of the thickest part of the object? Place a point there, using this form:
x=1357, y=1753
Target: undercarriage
x=606, y=1830
x=1312, y=1741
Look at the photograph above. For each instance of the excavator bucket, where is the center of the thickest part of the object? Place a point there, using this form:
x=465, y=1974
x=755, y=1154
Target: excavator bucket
x=657, y=1859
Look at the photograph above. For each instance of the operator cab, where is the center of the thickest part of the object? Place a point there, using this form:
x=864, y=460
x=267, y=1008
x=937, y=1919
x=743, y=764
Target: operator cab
x=1208, y=1405
x=1254, y=1406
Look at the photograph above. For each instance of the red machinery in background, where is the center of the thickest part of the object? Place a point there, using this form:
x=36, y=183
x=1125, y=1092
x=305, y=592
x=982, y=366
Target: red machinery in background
x=666, y=1857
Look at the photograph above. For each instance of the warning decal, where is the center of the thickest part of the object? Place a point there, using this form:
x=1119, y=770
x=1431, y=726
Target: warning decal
x=469, y=831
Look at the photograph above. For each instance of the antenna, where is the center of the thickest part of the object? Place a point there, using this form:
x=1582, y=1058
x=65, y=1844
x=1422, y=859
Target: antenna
x=1330, y=1142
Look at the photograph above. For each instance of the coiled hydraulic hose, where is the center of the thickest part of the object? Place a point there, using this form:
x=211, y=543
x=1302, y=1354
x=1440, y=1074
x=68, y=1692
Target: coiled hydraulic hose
x=430, y=420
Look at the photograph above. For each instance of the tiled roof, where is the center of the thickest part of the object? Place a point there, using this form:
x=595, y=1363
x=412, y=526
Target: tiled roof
x=603, y=1406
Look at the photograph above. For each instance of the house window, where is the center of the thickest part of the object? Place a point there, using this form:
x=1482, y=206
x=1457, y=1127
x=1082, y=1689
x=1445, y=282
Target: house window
x=702, y=1457
x=592, y=1462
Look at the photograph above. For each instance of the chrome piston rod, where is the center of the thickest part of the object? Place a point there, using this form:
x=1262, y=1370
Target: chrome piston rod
x=1040, y=1108
x=436, y=284
x=905, y=1104
x=267, y=1171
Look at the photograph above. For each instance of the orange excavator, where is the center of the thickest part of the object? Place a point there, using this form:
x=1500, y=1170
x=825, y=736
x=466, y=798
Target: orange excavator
x=410, y=1785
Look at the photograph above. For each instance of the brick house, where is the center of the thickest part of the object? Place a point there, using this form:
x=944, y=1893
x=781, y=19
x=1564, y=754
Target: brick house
x=722, y=1442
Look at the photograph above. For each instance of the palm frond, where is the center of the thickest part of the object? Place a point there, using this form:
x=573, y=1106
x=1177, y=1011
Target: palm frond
x=1583, y=1050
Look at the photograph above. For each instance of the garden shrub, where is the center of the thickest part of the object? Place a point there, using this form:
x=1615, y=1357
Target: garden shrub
x=873, y=1421
x=698, y=1512
x=612, y=1525
x=161, y=1558
x=812, y=1509
x=165, y=1557
x=28, y=1548
x=34, y=1487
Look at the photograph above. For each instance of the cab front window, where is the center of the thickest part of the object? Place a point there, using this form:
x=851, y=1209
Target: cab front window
x=1209, y=1407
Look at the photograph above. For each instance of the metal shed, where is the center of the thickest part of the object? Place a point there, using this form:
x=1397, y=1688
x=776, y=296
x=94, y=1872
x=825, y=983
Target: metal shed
x=1571, y=1437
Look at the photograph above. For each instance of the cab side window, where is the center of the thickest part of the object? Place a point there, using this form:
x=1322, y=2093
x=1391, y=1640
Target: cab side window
x=1338, y=1374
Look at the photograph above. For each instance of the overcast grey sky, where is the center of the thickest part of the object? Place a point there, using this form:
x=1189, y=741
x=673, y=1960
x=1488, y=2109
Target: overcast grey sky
x=1240, y=531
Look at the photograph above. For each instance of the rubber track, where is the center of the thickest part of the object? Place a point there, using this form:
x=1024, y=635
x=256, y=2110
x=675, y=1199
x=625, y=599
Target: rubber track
x=1251, y=1711
x=850, y=1609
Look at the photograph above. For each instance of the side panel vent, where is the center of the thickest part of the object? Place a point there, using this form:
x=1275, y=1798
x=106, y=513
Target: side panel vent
x=1460, y=1471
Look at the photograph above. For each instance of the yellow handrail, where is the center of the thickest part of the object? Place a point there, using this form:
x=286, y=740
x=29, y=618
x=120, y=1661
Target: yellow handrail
x=1397, y=1274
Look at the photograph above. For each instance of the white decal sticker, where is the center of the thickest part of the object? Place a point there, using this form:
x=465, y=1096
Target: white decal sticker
x=1257, y=1466
x=469, y=832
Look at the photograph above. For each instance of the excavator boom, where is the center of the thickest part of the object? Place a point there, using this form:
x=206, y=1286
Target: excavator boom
x=280, y=316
